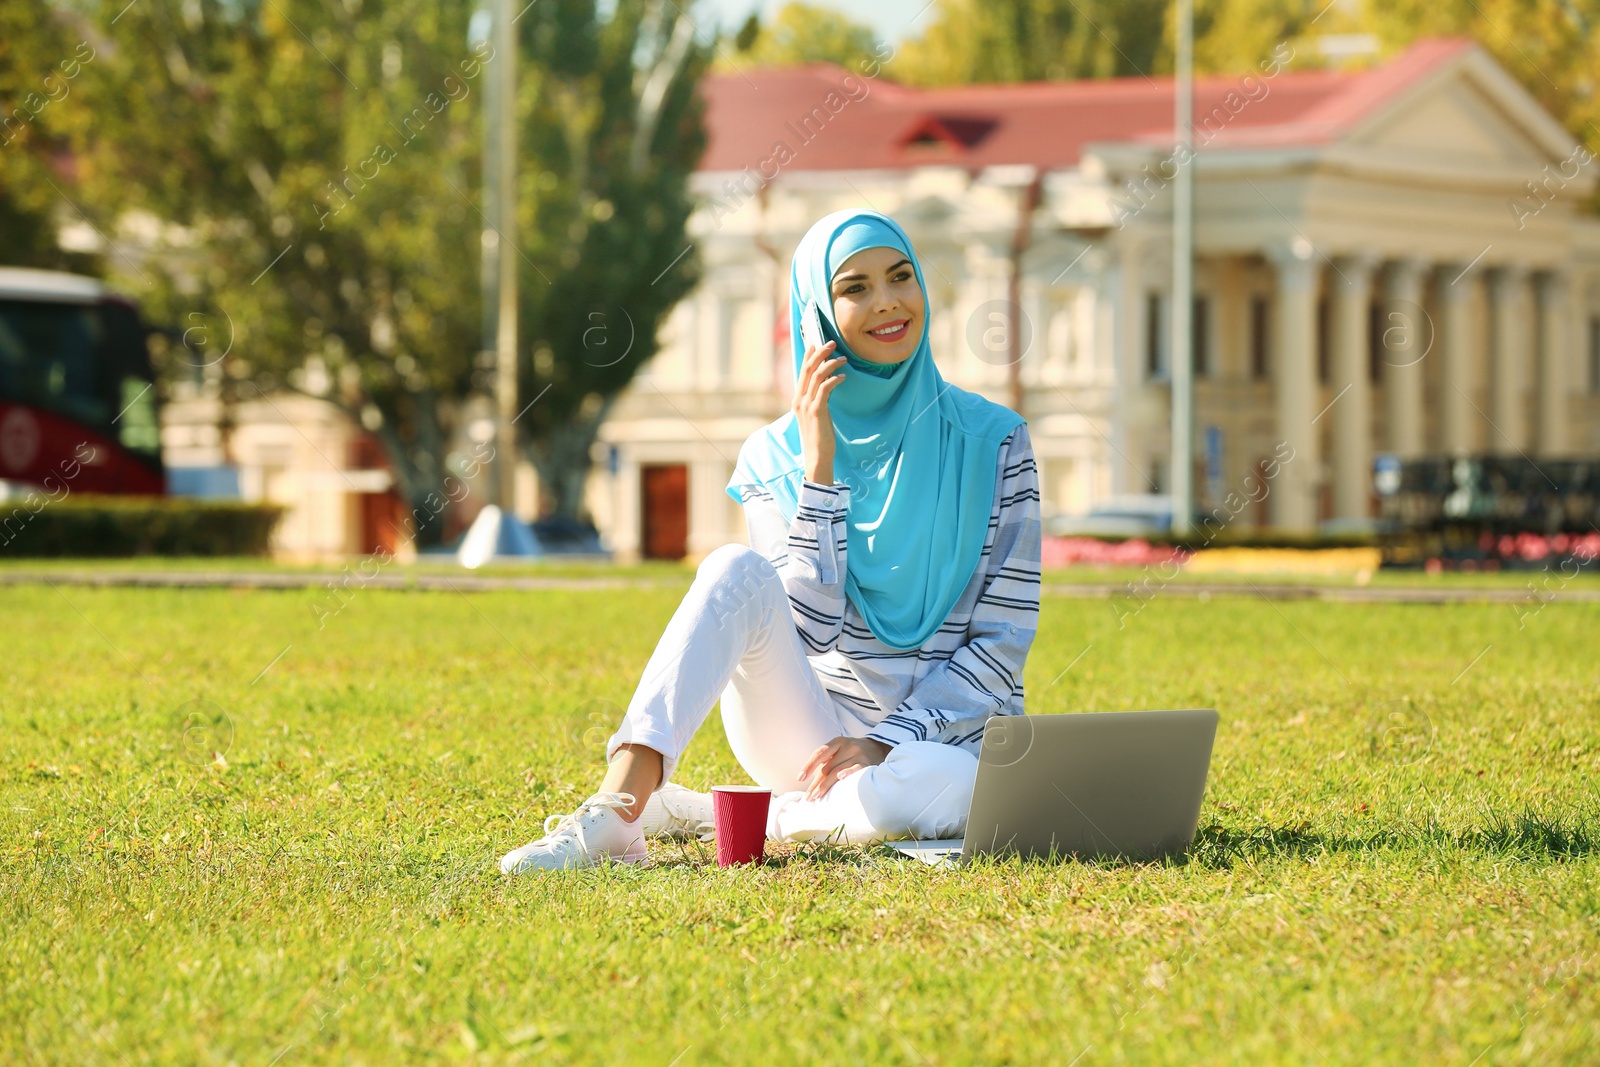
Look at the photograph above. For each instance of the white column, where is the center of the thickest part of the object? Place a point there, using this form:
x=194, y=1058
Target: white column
x=1406, y=333
x=627, y=512
x=693, y=342
x=1508, y=360
x=702, y=358
x=722, y=369
x=1578, y=294
x=1232, y=365
x=708, y=477
x=1555, y=349
x=1455, y=342
x=1130, y=377
x=1037, y=313
x=1351, y=384
x=1294, y=488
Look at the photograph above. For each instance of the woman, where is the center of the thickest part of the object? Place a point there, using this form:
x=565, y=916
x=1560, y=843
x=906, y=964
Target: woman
x=884, y=610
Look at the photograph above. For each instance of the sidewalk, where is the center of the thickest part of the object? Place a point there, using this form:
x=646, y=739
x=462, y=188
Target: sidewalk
x=463, y=583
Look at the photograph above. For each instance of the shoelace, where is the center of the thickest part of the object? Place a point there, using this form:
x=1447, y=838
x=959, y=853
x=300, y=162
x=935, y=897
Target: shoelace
x=555, y=824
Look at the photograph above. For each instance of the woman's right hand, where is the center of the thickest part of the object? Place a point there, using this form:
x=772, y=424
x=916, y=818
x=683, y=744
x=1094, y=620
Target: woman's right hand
x=817, y=382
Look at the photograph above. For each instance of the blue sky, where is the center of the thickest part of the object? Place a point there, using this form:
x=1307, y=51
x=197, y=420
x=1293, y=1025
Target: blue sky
x=893, y=20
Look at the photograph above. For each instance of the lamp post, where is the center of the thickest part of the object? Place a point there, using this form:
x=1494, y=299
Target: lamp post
x=480, y=31
x=1183, y=278
x=497, y=531
x=505, y=202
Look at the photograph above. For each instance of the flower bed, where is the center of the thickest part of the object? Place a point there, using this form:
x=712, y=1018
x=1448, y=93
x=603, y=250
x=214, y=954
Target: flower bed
x=1135, y=552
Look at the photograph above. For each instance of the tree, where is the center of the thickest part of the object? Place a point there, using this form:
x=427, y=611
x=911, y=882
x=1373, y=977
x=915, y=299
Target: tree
x=1238, y=36
x=40, y=65
x=620, y=129
x=800, y=33
x=324, y=158
x=317, y=158
x=1028, y=40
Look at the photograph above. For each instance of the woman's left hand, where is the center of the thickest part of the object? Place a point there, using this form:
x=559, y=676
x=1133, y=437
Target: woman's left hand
x=838, y=758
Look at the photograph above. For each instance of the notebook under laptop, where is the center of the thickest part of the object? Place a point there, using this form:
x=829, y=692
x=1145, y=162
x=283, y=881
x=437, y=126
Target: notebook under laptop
x=1118, y=783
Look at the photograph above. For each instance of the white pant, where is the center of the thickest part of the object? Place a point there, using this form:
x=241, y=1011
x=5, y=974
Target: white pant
x=733, y=637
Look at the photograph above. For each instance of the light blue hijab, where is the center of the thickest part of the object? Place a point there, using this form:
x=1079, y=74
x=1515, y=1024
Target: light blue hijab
x=918, y=454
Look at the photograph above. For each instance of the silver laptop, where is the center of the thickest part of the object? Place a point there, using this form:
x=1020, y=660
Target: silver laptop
x=1116, y=783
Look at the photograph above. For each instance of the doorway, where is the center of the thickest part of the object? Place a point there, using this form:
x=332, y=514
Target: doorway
x=664, y=510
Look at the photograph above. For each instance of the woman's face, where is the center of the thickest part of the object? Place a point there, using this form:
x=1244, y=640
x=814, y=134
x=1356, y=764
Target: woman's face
x=878, y=305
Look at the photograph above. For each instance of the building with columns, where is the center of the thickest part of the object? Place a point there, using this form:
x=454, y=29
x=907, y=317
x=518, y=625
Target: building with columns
x=1398, y=260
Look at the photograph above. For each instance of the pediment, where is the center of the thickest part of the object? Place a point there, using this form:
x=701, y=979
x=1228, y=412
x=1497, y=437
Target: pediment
x=1472, y=115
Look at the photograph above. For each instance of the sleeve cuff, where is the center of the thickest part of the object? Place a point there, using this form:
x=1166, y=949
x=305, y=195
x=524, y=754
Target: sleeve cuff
x=824, y=497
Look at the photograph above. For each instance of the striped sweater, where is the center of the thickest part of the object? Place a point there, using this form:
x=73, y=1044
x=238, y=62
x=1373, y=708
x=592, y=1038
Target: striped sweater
x=970, y=669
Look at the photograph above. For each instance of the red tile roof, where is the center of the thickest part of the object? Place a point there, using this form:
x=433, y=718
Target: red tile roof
x=877, y=124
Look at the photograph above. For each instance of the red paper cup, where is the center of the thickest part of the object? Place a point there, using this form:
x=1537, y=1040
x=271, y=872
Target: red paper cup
x=739, y=814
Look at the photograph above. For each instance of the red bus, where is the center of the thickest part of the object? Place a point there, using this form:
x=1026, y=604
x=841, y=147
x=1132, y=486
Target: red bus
x=77, y=396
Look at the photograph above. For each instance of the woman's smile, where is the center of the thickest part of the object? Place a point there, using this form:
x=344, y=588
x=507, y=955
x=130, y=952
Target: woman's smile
x=891, y=331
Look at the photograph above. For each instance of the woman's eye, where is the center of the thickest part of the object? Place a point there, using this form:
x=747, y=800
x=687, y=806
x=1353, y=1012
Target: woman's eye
x=904, y=275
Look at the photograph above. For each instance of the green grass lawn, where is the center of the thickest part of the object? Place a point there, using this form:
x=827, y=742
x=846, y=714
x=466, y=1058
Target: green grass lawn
x=541, y=566
x=1396, y=861
x=1537, y=583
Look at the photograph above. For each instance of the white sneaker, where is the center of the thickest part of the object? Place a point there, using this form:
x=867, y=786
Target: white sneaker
x=586, y=838
x=673, y=811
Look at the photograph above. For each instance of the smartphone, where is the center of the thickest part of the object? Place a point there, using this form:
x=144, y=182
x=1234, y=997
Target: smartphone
x=811, y=325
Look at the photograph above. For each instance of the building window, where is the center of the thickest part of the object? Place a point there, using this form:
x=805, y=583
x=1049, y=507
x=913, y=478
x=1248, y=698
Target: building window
x=1594, y=354
x=1155, y=339
x=1061, y=354
x=1157, y=334
x=1375, y=343
x=1322, y=341
x=1258, y=338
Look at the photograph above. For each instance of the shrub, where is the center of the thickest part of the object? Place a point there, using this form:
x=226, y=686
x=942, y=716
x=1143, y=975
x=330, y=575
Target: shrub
x=82, y=524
